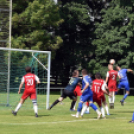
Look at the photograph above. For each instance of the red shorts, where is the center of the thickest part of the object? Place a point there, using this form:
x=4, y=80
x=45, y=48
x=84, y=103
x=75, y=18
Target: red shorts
x=77, y=91
x=112, y=87
x=32, y=95
x=99, y=99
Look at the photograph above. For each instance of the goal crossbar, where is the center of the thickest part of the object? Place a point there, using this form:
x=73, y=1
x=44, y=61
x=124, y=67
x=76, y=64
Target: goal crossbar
x=24, y=50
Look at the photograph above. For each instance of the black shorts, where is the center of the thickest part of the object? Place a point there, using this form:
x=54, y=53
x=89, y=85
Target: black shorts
x=67, y=93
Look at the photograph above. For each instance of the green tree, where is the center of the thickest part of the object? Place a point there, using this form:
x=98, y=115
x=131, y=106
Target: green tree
x=115, y=35
x=34, y=25
x=77, y=33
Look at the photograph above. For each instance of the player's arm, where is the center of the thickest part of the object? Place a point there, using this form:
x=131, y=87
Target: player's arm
x=119, y=76
x=80, y=84
x=86, y=86
x=107, y=77
x=104, y=86
x=37, y=79
x=129, y=70
x=21, y=85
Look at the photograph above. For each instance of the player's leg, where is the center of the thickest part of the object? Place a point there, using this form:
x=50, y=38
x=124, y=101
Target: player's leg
x=18, y=107
x=22, y=100
x=56, y=102
x=126, y=85
x=60, y=99
x=99, y=102
x=110, y=97
x=84, y=108
x=106, y=106
x=132, y=121
x=33, y=97
x=87, y=110
x=72, y=108
x=74, y=99
x=82, y=100
x=35, y=107
x=94, y=107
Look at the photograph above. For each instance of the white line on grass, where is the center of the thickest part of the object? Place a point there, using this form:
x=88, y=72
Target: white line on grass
x=55, y=122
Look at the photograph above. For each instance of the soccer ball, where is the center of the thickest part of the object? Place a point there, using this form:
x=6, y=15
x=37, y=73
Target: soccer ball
x=112, y=61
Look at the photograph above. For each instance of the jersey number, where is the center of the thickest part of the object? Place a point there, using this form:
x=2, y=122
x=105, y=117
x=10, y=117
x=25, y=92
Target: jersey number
x=97, y=89
x=113, y=77
x=71, y=81
x=29, y=82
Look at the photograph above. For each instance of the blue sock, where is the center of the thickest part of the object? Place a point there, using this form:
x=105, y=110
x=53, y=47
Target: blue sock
x=116, y=92
x=93, y=106
x=133, y=117
x=79, y=107
x=125, y=96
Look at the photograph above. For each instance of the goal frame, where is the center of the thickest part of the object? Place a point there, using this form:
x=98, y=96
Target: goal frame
x=48, y=71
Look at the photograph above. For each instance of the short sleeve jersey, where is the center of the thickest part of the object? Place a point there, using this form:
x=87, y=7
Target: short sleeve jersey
x=87, y=79
x=123, y=74
x=112, y=76
x=97, y=87
x=73, y=83
x=30, y=81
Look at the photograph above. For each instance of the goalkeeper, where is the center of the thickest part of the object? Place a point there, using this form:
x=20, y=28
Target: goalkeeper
x=69, y=90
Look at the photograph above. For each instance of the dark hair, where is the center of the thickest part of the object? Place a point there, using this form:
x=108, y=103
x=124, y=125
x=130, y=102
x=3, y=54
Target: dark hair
x=84, y=71
x=98, y=75
x=28, y=69
x=74, y=73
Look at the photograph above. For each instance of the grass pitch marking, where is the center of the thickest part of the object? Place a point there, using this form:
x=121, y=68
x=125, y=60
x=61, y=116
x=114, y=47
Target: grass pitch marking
x=55, y=122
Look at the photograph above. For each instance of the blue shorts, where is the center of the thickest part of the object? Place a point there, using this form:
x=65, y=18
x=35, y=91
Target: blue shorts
x=85, y=98
x=124, y=84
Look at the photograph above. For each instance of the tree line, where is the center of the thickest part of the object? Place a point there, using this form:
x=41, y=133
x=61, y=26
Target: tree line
x=79, y=33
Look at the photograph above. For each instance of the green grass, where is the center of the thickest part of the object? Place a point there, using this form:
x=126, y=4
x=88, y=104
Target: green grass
x=59, y=120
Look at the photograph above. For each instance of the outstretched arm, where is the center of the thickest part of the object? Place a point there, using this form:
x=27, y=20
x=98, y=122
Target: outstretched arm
x=129, y=70
x=37, y=79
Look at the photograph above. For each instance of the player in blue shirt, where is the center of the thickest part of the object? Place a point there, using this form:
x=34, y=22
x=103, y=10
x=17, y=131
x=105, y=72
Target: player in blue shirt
x=69, y=90
x=87, y=94
x=123, y=82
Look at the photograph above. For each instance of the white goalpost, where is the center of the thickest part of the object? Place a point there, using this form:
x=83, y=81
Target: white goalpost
x=13, y=61
x=12, y=68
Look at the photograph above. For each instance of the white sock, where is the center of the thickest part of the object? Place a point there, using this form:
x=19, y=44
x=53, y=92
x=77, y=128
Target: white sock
x=109, y=98
x=113, y=99
x=83, y=110
x=77, y=114
x=88, y=109
x=74, y=106
x=107, y=110
x=35, y=107
x=98, y=112
x=102, y=111
x=18, y=107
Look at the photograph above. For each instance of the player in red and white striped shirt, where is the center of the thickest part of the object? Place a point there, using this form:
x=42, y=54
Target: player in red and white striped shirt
x=30, y=81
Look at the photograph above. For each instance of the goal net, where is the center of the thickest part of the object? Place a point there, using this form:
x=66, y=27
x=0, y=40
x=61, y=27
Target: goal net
x=12, y=69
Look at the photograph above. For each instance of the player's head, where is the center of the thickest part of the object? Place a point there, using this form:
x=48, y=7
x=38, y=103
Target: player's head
x=110, y=67
x=28, y=69
x=75, y=73
x=98, y=75
x=118, y=68
x=84, y=72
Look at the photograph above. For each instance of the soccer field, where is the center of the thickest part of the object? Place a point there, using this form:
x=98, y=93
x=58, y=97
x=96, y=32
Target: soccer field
x=59, y=120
